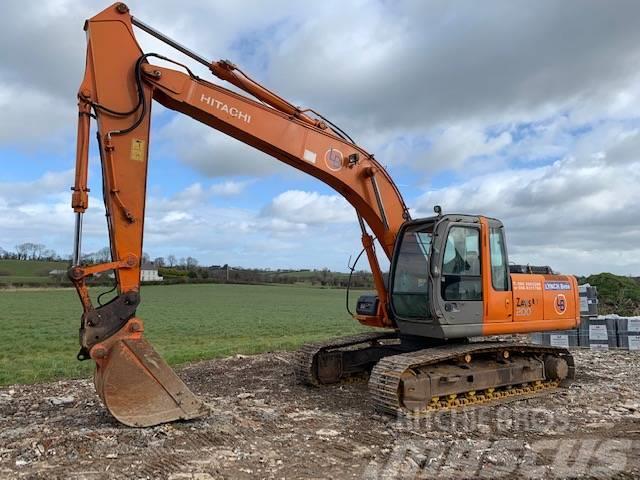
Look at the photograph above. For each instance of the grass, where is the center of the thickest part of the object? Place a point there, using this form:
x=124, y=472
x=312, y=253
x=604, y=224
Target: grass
x=185, y=323
x=20, y=271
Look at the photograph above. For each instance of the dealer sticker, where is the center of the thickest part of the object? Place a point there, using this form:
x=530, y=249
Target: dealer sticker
x=557, y=286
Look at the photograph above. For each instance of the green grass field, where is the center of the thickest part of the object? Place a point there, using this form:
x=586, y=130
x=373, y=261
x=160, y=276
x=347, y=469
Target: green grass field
x=39, y=329
x=31, y=272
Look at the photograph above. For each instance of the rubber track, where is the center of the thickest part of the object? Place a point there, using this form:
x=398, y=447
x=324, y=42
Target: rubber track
x=305, y=356
x=384, y=382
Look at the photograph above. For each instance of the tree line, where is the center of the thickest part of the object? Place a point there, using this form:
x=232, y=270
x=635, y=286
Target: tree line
x=40, y=252
x=31, y=251
x=228, y=274
x=188, y=270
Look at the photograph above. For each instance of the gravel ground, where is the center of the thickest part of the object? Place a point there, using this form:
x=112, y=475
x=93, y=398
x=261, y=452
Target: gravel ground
x=263, y=425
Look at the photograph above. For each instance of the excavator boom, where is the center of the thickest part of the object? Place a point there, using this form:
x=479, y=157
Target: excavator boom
x=119, y=85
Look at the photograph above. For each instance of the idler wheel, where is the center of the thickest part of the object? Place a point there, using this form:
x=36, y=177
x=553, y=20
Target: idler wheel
x=556, y=368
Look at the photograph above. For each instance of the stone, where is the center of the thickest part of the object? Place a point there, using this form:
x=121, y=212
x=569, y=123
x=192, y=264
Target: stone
x=60, y=400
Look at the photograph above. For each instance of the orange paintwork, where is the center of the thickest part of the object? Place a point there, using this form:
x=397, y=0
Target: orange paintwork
x=541, y=302
x=498, y=305
x=535, y=303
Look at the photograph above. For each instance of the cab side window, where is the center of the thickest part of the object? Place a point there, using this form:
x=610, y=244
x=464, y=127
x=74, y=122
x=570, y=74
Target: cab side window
x=461, y=265
x=499, y=267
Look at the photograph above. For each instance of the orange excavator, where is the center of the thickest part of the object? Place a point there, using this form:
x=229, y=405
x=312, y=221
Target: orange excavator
x=449, y=285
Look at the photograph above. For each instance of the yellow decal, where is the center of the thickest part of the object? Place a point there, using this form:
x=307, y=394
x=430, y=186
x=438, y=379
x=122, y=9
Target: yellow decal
x=137, y=150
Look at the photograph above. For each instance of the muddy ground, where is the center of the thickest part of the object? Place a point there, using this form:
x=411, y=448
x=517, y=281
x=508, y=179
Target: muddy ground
x=264, y=425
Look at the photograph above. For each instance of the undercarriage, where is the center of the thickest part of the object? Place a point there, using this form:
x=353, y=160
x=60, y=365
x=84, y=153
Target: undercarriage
x=413, y=376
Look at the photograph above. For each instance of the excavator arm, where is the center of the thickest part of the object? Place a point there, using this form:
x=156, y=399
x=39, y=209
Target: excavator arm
x=118, y=88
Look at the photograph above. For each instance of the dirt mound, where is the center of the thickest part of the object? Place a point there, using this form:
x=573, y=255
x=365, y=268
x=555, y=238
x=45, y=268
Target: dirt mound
x=263, y=425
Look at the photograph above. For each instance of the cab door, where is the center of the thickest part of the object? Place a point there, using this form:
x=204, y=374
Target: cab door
x=496, y=281
x=460, y=296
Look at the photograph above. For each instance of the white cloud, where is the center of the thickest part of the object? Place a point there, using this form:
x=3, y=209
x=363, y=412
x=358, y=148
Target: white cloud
x=578, y=213
x=229, y=188
x=213, y=153
x=39, y=211
x=188, y=223
x=30, y=116
x=294, y=229
x=400, y=68
x=441, y=63
x=457, y=144
x=309, y=208
x=273, y=236
x=49, y=184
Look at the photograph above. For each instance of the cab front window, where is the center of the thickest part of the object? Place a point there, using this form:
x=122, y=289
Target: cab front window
x=411, y=273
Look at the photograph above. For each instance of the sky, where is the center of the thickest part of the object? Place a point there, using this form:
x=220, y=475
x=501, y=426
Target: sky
x=524, y=111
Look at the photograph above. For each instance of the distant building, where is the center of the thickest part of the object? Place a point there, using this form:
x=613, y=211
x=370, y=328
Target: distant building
x=149, y=273
x=57, y=273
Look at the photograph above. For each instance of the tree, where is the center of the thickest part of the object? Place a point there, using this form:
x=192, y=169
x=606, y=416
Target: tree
x=23, y=250
x=172, y=260
x=159, y=262
x=191, y=263
x=49, y=254
x=30, y=250
x=38, y=249
x=103, y=255
x=325, y=273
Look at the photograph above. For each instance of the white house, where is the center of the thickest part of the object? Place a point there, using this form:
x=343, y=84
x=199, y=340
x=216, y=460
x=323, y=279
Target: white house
x=149, y=273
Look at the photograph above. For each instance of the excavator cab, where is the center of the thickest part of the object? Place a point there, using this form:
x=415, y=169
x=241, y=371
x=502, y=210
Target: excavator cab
x=450, y=278
x=436, y=276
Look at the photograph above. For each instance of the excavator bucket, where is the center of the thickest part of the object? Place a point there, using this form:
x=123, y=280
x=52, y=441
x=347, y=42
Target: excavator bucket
x=138, y=387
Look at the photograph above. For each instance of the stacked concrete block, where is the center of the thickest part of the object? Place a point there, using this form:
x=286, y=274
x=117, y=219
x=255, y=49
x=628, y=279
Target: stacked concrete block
x=629, y=333
x=598, y=333
x=560, y=338
x=588, y=300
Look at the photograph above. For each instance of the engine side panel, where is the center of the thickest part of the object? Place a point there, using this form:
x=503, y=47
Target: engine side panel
x=540, y=302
